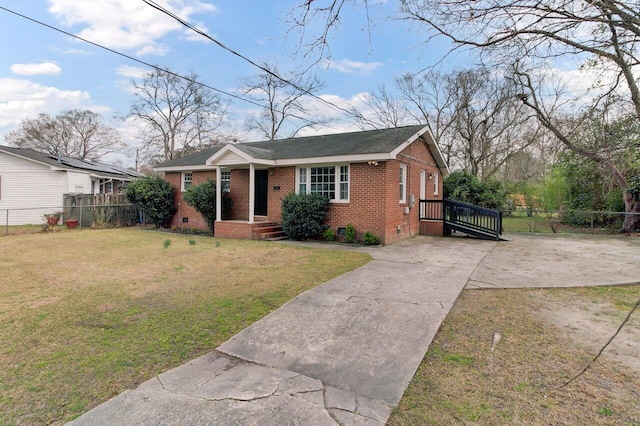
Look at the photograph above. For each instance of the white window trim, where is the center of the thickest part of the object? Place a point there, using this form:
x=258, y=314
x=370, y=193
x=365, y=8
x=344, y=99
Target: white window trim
x=337, y=180
x=182, y=175
x=436, y=183
x=227, y=180
x=403, y=195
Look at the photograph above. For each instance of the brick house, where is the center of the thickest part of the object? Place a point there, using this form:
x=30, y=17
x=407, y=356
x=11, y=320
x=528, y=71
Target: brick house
x=373, y=179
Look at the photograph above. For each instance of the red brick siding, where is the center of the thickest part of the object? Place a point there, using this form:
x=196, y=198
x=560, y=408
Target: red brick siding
x=196, y=221
x=231, y=229
x=434, y=228
x=285, y=178
x=239, y=191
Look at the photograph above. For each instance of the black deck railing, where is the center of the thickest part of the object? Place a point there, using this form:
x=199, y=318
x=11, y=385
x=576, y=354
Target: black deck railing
x=473, y=220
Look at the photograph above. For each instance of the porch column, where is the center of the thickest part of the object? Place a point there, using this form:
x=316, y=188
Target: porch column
x=252, y=191
x=218, y=194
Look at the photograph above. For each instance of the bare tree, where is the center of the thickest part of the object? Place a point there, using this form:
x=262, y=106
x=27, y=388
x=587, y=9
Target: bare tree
x=73, y=133
x=525, y=36
x=382, y=109
x=181, y=115
x=285, y=111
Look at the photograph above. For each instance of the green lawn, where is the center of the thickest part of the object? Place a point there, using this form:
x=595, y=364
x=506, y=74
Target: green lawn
x=87, y=314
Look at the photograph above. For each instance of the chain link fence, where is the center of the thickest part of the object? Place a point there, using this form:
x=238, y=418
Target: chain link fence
x=578, y=221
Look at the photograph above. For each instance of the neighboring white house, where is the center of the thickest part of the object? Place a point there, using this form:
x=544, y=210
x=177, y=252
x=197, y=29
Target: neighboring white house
x=33, y=183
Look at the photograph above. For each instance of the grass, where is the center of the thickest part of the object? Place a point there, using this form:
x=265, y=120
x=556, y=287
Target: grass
x=461, y=380
x=87, y=314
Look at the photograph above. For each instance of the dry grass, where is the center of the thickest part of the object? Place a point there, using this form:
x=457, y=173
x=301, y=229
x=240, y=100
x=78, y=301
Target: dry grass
x=463, y=381
x=87, y=314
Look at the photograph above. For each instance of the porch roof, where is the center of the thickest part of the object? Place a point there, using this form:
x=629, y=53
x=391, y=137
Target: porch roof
x=356, y=146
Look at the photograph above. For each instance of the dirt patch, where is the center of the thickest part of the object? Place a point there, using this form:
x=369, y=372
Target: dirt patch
x=592, y=323
x=546, y=337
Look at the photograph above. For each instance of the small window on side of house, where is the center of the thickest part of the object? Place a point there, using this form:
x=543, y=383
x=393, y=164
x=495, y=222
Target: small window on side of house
x=187, y=180
x=403, y=183
x=436, y=183
x=225, y=180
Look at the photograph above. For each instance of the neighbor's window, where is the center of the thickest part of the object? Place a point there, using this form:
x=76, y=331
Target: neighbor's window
x=106, y=186
x=436, y=183
x=403, y=183
x=330, y=181
x=225, y=180
x=187, y=180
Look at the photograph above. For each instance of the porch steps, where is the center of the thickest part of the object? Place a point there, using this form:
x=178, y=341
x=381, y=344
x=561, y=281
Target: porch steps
x=270, y=231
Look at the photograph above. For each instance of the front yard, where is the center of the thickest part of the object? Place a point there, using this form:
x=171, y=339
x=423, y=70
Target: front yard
x=87, y=314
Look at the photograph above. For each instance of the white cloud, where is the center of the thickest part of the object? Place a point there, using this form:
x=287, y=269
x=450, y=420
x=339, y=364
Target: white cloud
x=20, y=99
x=144, y=26
x=348, y=66
x=132, y=72
x=48, y=68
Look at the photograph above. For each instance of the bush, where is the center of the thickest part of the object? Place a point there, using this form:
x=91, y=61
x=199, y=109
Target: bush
x=369, y=239
x=202, y=197
x=154, y=196
x=330, y=235
x=350, y=234
x=467, y=188
x=304, y=215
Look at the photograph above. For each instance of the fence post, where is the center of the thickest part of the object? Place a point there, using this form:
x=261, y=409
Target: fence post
x=591, y=217
x=80, y=216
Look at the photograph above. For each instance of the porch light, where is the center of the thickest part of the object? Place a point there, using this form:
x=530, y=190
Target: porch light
x=372, y=163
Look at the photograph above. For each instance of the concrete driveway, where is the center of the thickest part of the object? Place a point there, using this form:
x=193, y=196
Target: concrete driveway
x=345, y=351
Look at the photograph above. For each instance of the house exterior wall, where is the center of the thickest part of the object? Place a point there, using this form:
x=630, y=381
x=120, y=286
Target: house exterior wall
x=184, y=210
x=78, y=182
x=374, y=197
x=31, y=186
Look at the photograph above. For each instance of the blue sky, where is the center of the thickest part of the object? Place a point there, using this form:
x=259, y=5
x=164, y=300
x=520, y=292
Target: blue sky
x=45, y=71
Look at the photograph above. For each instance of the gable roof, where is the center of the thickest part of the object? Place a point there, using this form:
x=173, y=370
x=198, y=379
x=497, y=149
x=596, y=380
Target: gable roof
x=355, y=146
x=72, y=164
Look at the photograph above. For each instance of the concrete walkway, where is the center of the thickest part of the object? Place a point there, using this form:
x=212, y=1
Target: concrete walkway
x=345, y=351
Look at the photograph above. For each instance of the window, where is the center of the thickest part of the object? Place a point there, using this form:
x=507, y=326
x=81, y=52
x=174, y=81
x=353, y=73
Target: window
x=225, y=180
x=187, y=180
x=403, y=183
x=106, y=186
x=330, y=181
x=436, y=183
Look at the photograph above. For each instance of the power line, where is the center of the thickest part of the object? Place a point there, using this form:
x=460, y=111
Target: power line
x=132, y=58
x=156, y=6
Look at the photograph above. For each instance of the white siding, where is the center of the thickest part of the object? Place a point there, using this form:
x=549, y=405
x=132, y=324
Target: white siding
x=230, y=159
x=79, y=182
x=30, y=186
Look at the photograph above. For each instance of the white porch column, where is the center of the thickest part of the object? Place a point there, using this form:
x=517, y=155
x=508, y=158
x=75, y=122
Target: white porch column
x=252, y=191
x=218, y=194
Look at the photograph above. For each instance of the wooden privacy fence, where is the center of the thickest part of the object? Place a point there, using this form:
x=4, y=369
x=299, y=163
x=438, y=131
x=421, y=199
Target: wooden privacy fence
x=100, y=210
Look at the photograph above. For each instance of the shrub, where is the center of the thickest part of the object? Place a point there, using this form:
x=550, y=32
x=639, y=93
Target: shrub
x=467, y=188
x=350, y=234
x=154, y=196
x=202, y=197
x=304, y=215
x=330, y=235
x=369, y=239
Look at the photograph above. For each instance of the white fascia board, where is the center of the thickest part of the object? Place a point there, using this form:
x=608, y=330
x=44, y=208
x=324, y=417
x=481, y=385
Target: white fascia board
x=408, y=142
x=211, y=161
x=427, y=136
x=354, y=158
x=52, y=167
x=183, y=168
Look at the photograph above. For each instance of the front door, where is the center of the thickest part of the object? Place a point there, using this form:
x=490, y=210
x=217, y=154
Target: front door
x=261, y=189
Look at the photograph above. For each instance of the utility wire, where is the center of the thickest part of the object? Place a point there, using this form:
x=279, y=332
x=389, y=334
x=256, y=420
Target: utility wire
x=262, y=68
x=595, y=358
x=132, y=58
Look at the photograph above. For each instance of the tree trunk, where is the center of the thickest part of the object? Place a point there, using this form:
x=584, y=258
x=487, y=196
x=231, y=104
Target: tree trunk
x=631, y=221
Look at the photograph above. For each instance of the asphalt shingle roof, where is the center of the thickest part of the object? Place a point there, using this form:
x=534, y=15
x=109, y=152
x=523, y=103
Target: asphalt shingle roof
x=68, y=163
x=365, y=142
